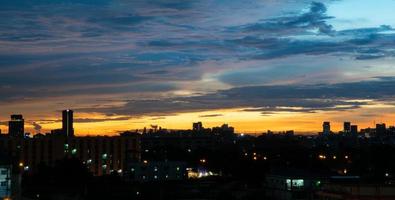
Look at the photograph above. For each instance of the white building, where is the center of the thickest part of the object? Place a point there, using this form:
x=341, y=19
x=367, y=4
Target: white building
x=5, y=181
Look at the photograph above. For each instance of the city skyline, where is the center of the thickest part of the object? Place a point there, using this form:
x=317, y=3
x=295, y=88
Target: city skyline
x=256, y=65
x=16, y=127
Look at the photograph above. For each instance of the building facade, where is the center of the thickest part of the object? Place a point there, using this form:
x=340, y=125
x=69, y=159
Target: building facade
x=67, y=123
x=5, y=181
x=16, y=126
x=101, y=154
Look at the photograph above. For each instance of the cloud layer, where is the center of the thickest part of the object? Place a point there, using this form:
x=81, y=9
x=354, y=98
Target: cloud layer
x=173, y=56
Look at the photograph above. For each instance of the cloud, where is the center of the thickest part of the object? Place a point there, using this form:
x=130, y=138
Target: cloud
x=315, y=18
x=37, y=127
x=211, y=115
x=93, y=120
x=156, y=48
x=277, y=98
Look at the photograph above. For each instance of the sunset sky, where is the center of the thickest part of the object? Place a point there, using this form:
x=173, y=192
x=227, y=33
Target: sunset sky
x=254, y=64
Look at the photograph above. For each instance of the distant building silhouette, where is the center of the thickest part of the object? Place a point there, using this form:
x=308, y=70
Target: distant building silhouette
x=198, y=126
x=381, y=129
x=326, y=128
x=16, y=126
x=101, y=154
x=347, y=127
x=354, y=130
x=67, y=123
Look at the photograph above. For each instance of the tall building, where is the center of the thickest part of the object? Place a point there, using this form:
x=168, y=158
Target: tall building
x=326, y=128
x=347, y=127
x=16, y=126
x=67, y=123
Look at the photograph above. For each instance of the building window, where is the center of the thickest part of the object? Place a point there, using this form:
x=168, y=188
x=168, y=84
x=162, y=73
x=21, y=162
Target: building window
x=4, y=183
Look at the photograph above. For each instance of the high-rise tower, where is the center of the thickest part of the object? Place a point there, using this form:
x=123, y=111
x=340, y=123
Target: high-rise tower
x=16, y=126
x=67, y=123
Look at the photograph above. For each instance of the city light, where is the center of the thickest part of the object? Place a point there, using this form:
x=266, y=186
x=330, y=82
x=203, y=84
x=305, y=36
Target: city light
x=206, y=99
x=322, y=157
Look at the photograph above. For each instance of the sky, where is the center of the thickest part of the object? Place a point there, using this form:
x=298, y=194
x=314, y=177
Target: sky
x=255, y=64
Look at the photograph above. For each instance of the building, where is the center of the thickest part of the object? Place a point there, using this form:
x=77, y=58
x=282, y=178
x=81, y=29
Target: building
x=197, y=127
x=326, y=128
x=289, y=184
x=101, y=154
x=6, y=178
x=354, y=130
x=16, y=126
x=67, y=123
x=153, y=171
x=181, y=140
x=361, y=191
x=347, y=127
x=381, y=129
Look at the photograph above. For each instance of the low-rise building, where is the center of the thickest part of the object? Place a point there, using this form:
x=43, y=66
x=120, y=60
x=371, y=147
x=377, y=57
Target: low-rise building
x=5, y=177
x=292, y=184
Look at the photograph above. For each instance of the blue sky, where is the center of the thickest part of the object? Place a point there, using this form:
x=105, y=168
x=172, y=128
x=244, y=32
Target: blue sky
x=109, y=57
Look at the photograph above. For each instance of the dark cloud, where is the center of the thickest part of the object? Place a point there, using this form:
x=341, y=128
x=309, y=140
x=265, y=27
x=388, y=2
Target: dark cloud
x=314, y=19
x=93, y=120
x=83, y=47
x=280, y=98
x=212, y=115
x=37, y=127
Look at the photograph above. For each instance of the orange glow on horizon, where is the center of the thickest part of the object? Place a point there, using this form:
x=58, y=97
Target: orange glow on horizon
x=252, y=122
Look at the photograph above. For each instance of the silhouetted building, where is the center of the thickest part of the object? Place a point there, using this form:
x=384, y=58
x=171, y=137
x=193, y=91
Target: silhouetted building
x=224, y=130
x=381, y=129
x=100, y=154
x=198, y=126
x=326, y=128
x=67, y=123
x=347, y=127
x=354, y=130
x=16, y=127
